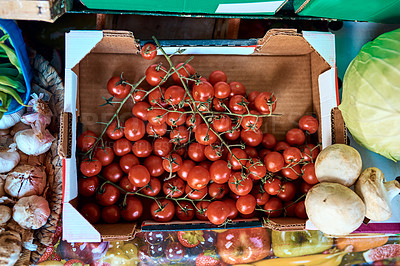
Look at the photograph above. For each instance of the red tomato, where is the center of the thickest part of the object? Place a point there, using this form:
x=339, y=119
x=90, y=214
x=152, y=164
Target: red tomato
x=184, y=70
x=309, y=124
x=305, y=187
x=233, y=212
x=246, y=204
x=292, y=155
x=295, y=136
x=87, y=186
x=162, y=147
x=174, y=188
x=217, y=76
x=252, y=96
x=153, y=187
x=86, y=140
x=291, y=171
x=196, y=152
x=251, y=152
x=265, y=102
x=156, y=130
x=148, y=51
x=205, y=164
x=204, y=135
x=117, y=89
x=201, y=210
x=272, y=186
x=220, y=105
x=203, y=91
x=179, y=135
x=156, y=97
x=222, y=123
x=233, y=134
x=262, y=153
x=309, y=176
x=260, y=195
x=237, y=104
x=111, y=214
x=287, y=192
x=252, y=138
x=217, y=212
x=122, y=147
x=309, y=152
x=138, y=94
x=281, y=146
x=90, y=167
x=237, y=88
x=252, y=122
x=300, y=210
x=127, y=161
x=140, y=110
x=218, y=191
x=240, y=185
x=183, y=172
x=157, y=116
x=134, y=129
x=162, y=210
x=142, y=148
x=256, y=169
x=139, y=175
x=198, y=177
x=233, y=195
x=174, y=95
x=113, y=132
x=126, y=185
x=185, y=211
x=268, y=141
x=274, y=161
x=175, y=119
x=213, y=153
x=91, y=212
x=192, y=121
x=112, y=172
x=195, y=194
x=239, y=160
x=107, y=195
x=104, y=155
x=133, y=209
x=290, y=207
x=155, y=74
x=154, y=165
x=222, y=90
x=273, y=207
x=173, y=163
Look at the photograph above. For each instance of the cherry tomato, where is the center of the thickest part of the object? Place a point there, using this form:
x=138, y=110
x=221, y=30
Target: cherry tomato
x=179, y=135
x=233, y=212
x=90, y=167
x=256, y=169
x=142, y=148
x=292, y=155
x=122, y=147
x=300, y=210
x=260, y=195
x=273, y=186
x=174, y=95
x=155, y=74
x=222, y=90
x=246, y=204
x=252, y=122
x=156, y=97
x=196, y=152
x=154, y=165
x=204, y=135
x=139, y=175
x=251, y=151
x=305, y=187
x=198, y=177
x=153, y=187
x=174, y=188
x=217, y=76
x=162, y=147
x=217, y=212
x=185, y=71
x=185, y=211
x=295, y=136
x=237, y=88
x=195, y=194
x=240, y=185
x=157, y=116
x=205, y=164
x=138, y=94
x=233, y=134
x=148, y=51
x=134, y=129
x=262, y=153
x=252, y=96
x=273, y=207
x=213, y=153
x=133, y=209
x=203, y=91
x=111, y=214
x=127, y=161
x=201, y=210
x=192, y=121
x=220, y=105
x=162, y=210
x=222, y=123
x=125, y=184
x=218, y=191
x=287, y=192
x=112, y=172
x=291, y=171
x=172, y=163
x=268, y=141
x=281, y=146
x=117, y=89
x=309, y=176
x=86, y=140
x=183, y=172
x=274, y=161
x=239, y=160
x=233, y=195
x=252, y=138
x=107, y=195
x=104, y=155
x=237, y=104
x=175, y=119
x=140, y=110
x=91, y=212
x=290, y=207
x=87, y=186
x=265, y=102
x=156, y=130
x=309, y=124
x=309, y=152
x=113, y=132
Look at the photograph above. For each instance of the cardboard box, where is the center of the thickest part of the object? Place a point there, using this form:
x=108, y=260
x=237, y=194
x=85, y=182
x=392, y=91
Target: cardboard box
x=298, y=68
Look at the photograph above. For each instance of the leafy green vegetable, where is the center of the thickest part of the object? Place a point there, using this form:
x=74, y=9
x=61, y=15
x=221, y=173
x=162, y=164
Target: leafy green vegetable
x=371, y=96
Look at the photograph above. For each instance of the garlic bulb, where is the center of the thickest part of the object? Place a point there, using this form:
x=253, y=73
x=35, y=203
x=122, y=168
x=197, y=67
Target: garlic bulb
x=5, y=214
x=29, y=144
x=25, y=180
x=10, y=120
x=31, y=212
x=9, y=158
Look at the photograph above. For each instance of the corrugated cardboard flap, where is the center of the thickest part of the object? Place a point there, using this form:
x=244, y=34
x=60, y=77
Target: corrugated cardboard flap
x=285, y=224
x=117, y=42
x=120, y=232
x=339, y=131
x=64, y=149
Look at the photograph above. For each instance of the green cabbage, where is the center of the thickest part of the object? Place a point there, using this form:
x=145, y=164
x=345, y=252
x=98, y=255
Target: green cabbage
x=371, y=96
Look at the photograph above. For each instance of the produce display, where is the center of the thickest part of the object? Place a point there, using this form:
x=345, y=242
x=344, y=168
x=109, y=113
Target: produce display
x=193, y=149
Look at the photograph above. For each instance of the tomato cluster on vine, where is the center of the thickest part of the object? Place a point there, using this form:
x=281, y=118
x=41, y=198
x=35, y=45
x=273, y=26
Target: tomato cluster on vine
x=193, y=148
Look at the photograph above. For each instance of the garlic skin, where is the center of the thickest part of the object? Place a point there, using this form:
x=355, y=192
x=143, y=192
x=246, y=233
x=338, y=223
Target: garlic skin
x=9, y=158
x=31, y=212
x=10, y=120
x=5, y=214
x=28, y=143
x=2, y=182
x=25, y=180
x=10, y=247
